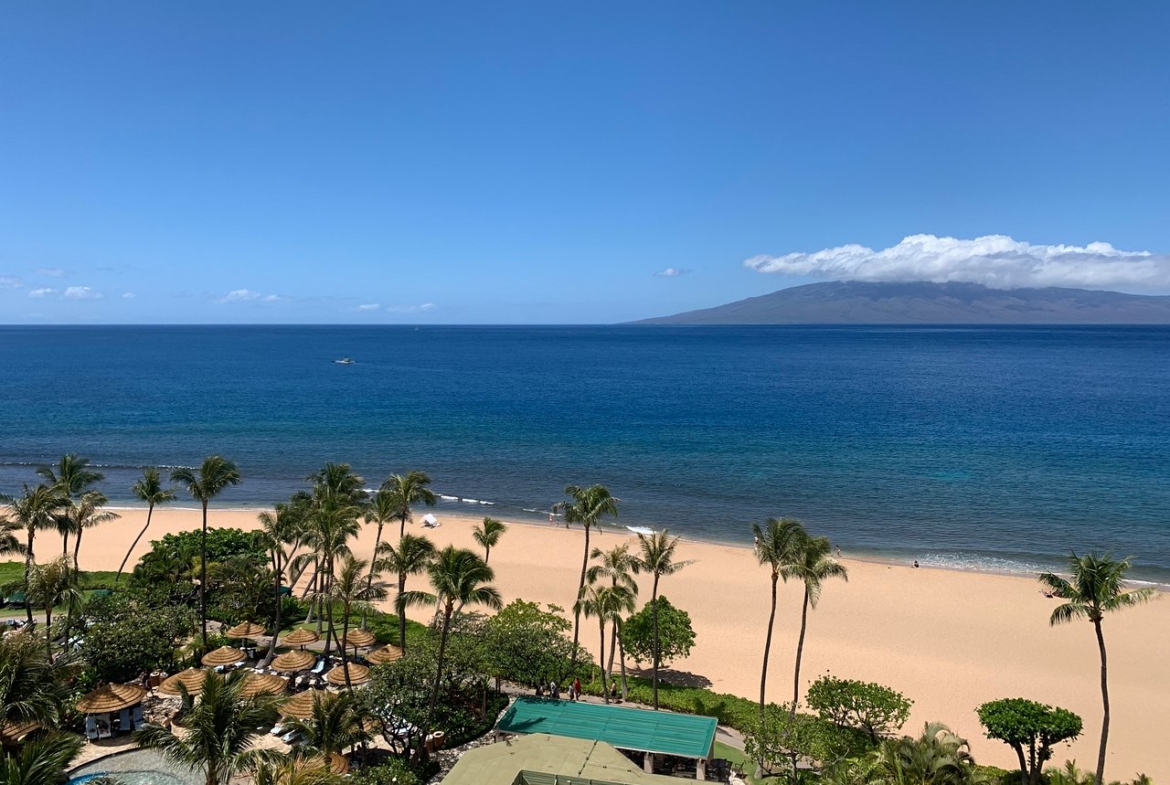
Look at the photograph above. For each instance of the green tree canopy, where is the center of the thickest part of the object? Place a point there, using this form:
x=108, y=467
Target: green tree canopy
x=1029, y=728
x=675, y=634
x=528, y=645
x=867, y=706
x=125, y=636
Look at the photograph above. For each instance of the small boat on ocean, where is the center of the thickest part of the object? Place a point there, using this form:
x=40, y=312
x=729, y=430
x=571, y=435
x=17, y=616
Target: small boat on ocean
x=344, y=361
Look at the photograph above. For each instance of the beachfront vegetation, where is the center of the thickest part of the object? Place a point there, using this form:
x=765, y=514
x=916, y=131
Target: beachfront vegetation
x=872, y=708
x=618, y=566
x=1097, y=587
x=585, y=506
x=812, y=566
x=1030, y=729
x=410, y=557
x=657, y=558
x=128, y=632
x=527, y=645
x=488, y=535
x=674, y=639
x=776, y=545
x=148, y=489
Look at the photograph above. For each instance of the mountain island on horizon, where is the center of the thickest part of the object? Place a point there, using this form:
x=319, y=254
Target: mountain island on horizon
x=863, y=302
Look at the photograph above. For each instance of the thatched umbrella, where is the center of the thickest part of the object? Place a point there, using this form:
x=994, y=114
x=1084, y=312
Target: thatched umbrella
x=301, y=704
x=300, y=638
x=293, y=661
x=224, y=655
x=13, y=733
x=338, y=764
x=385, y=655
x=245, y=630
x=192, y=679
x=111, y=697
x=359, y=637
x=262, y=684
x=358, y=674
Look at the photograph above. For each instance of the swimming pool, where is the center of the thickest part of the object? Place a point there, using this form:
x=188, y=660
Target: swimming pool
x=136, y=767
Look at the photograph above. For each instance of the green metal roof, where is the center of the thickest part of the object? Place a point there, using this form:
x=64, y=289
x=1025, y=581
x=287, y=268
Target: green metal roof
x=685, y=735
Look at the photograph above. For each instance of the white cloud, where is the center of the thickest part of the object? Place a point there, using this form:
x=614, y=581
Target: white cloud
x=369, y=306
x=271, y=298
x=129, y=296
x=52, y=272
x=670, y=272
x=425, y=307
x=238, y=295
x=82, y=293
x=10, y=282
x=38, y=293
x=997, y=261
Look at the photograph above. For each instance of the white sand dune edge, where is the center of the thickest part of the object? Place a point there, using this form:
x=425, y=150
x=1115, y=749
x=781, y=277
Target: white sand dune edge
x=950, y=640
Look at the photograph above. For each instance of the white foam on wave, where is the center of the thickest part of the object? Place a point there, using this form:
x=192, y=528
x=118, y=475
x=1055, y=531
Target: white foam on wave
x=447, y=498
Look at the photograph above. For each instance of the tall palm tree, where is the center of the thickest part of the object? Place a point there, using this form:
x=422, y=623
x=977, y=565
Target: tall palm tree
x=72, y=476
x=488, y=536
x=584, y=506
x=411, y=557
x=657, y=558
x=86, y=512
x=620, y=566
x=281, y=533
x=332, y=519
x=41, y=761
x=221, y=729
x=336, y=722
x=34, y=510
x=607, y=604
x=778, y=545
x=381, y=509
x=405, y=490
x=10, y=544
x=148, y=489
x=50, y=585
x=1097, y=587
x=347, y=590
x=458, y=577
x=813, y=565
x=213, y=476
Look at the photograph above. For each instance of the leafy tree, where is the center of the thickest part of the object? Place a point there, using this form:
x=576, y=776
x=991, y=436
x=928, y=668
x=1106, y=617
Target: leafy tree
x=488, y=535
x=675, y=634
x=212, y=478
x=36, y=509
x=867, y=706
x=584, y=506
x=222, y=544
x=221, y=730
x=411, y=557
x=125, y=635
x=778, y=544
x=393, y=771
x=241, y=590
x=1097, y=587
x=1024, y=724
x=527, y=645
x=812, y=566
x=149, y=489
x=784, y=733
x=405, y=490
x=41, y=761
x=937, y=757
x=657, y=558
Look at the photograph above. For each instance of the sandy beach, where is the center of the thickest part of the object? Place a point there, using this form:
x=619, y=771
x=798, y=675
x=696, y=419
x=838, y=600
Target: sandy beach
x=949, y=640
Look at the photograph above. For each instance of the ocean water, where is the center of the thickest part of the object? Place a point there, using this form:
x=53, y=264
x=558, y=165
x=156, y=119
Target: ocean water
x=986, y=448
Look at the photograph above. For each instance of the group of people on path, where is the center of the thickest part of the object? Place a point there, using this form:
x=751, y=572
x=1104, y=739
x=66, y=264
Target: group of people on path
x=574, y=691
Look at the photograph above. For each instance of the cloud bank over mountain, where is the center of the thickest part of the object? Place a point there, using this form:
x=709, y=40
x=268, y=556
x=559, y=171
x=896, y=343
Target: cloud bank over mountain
x=996, y=261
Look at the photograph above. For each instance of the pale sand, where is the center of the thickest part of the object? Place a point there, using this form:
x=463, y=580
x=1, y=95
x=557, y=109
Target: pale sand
x=950, y=640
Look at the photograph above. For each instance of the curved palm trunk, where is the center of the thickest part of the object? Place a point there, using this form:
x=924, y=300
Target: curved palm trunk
x=487, y=553
x=1100, y=777
x=327, y=605
x=799, y=653
x=370, y=581
x=344, y=648
x=576, y=608
x=402, y=613
x=77, y=552
x=203, y=577
x=657, y=647
x=612, y=649
x=133, y=545
x=601, y=660
x=28, y=563
x=767, y=648
x=401, y=527
x=278, y=570
x=622, y=660
x=447, y=611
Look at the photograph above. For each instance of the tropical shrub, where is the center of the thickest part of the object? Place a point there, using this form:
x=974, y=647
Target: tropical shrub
x=675, y=634
x=124, y=636
x=1029, y=728
x=394, y=771
x=781, y=733
x=527, y=645
x=866, y=706
x=937, y=757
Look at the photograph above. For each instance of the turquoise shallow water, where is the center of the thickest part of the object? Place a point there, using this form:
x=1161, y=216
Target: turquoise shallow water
x=993, y=448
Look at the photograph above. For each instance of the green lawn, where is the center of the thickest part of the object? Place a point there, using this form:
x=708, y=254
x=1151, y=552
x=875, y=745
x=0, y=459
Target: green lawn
x=13, y=571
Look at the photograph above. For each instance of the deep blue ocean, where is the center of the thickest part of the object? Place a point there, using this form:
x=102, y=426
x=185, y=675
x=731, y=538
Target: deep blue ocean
x=990, y=448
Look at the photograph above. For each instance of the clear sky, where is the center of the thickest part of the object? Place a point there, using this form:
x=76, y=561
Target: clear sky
x=551, y=162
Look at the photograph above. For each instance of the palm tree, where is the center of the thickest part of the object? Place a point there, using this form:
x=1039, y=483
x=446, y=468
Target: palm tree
x=488, y=535
x=36, y=509
x=41, y=761
x=335, y=723
x=31, y=687
x=812, y=566
x=221, y=729
x=405, y=490
x=281, y=533
x=72, y=476
x=778, y=545
x=150, y=490
x=606, y=603
x=10, y=544
x=346, y=590
x=620, y=566
x=295, y=770
x=214, y=476
x=657, y=558
x=584, y=506
x=411, y=557
x=938, y=757
x=86, y=513
x=458, y=577
x=381, y=510
x=1097, y=587
x=50, y=585
x=332, y=520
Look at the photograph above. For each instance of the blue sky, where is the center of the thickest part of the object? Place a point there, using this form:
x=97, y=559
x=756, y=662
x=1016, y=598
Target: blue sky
x=548, y=162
